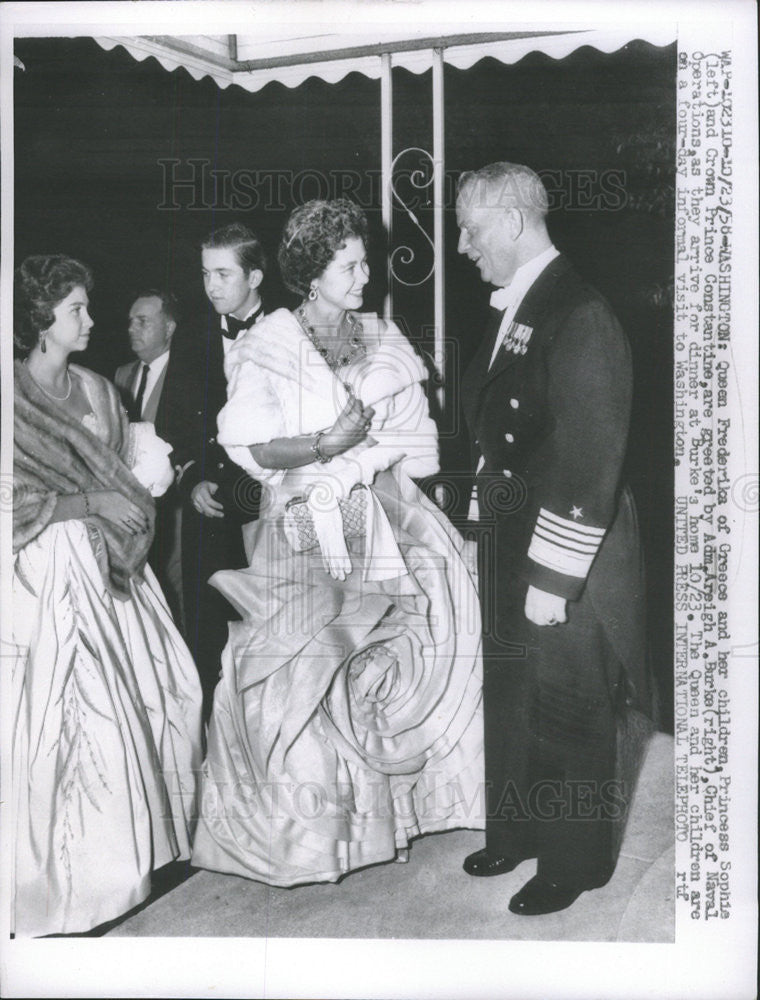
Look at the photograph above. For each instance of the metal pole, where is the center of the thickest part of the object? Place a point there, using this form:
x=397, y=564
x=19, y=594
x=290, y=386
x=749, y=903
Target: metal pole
x=438, y=207
x=386, y=167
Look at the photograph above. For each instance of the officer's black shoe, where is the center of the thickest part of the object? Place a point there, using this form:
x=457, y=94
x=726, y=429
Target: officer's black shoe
x=482, y=864
x=539, y=895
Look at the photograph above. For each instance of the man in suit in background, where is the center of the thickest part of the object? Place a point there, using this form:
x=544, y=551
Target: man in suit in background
x=217, y=496
x=152, y=323
x=547, y=400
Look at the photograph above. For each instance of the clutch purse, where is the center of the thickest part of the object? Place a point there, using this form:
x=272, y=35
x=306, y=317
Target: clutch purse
x=298, y=523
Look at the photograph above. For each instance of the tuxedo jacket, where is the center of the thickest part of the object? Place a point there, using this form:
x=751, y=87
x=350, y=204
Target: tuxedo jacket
x=548, y=424
x=194, y=392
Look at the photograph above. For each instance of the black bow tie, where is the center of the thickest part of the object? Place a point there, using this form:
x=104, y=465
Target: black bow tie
x=234, y=325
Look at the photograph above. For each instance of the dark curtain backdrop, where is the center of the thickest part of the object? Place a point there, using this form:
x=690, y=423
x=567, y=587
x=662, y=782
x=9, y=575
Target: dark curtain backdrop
x=128, y=166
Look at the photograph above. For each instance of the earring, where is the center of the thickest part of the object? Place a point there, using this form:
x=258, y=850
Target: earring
x=313, y=293
x=43, y=347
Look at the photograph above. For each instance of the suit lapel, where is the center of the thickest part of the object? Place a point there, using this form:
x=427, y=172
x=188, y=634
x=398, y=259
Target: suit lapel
x=529, y=314
x=477, y=370
x=124, y=380
x=479, y=364
x=213, y=359
x=130, y=377
x=218, y=355
x=503, y=360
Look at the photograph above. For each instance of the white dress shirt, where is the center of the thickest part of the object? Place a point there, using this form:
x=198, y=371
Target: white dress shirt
x=510, y=297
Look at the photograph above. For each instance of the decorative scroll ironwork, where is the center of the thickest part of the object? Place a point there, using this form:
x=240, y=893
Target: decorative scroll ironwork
x=420, y=182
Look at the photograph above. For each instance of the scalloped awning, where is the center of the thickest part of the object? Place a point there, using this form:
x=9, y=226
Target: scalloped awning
x=253, y=61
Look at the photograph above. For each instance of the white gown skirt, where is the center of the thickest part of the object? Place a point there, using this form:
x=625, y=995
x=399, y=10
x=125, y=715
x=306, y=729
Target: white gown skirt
x=348, y=717
x=106, y=745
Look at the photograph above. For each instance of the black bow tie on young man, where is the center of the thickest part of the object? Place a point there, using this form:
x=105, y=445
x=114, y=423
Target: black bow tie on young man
x=234, y=325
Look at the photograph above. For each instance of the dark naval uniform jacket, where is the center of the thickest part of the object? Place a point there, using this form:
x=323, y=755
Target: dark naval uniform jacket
x=548, y=424
x=195, y=393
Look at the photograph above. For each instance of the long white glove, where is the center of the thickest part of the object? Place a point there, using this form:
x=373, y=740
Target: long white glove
x=328, y=526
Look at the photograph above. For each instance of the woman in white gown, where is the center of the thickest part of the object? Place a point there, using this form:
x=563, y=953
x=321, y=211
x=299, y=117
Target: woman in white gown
x=347, y=720
x=106, y=742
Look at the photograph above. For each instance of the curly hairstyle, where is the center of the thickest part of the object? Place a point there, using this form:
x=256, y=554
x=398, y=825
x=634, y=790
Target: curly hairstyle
x=312, y=236
x=40, y=283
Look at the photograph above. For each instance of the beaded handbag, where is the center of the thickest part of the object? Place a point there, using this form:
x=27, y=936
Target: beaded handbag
x=298, y=523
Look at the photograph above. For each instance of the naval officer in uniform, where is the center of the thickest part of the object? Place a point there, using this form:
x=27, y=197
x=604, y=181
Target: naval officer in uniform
x=547, y=401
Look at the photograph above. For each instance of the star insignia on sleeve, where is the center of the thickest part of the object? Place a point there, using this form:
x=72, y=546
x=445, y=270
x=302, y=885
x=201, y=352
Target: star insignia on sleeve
x=576, y=512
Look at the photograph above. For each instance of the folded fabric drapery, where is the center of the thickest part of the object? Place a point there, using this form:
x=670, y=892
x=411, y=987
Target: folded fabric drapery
x=56, y=455
x=105, y=696
x=347, y=718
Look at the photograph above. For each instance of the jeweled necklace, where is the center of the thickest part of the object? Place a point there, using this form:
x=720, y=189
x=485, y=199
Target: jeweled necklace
x=50, y=395
x=355, y=348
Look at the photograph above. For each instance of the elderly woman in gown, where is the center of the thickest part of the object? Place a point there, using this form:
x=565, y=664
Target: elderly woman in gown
x=347, y=719
x=106, y=698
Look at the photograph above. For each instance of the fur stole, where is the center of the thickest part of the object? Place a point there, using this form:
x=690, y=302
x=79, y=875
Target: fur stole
x=280, y=386
x=56, y=455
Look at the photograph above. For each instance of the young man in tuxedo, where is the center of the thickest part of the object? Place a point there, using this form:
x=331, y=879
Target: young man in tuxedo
x=217, y=496
x=547, y=400
x=153, y=318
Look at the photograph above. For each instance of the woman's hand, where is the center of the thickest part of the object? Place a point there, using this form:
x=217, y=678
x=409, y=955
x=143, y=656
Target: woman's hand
x=350, y=429
x=114, y=507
